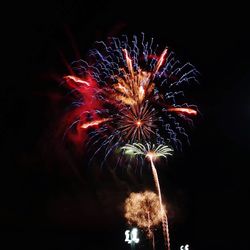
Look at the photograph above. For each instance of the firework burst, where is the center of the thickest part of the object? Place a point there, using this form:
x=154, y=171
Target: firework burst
x=142, y=210
x=129, y=92
x=149, y=150
x=138, y=123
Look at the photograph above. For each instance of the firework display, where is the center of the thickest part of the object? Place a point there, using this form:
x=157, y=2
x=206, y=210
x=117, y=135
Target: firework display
x=128, y=92
x=129, y=100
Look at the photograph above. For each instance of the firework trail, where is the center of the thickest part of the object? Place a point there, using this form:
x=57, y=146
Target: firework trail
x=152, y=153
x=128, y=92
x=142, y=209
x=164, y=215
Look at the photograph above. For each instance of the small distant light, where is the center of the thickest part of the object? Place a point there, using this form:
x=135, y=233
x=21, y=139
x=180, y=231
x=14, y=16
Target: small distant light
x=132, y=236
x=184, y=247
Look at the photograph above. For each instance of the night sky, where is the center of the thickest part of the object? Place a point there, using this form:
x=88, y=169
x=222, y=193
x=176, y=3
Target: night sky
x=51, y=199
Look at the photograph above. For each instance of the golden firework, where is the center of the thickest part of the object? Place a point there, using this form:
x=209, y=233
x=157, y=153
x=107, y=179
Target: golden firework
x=142, y=210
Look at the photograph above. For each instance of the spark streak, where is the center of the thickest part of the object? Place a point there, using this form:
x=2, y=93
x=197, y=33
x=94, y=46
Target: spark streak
x=188, y=111
x=76, y=79
x=94, y=123
x=160, y=62
x=129, y=62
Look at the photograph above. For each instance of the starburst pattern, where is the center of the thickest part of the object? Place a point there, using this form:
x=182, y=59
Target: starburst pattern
x=138, y=123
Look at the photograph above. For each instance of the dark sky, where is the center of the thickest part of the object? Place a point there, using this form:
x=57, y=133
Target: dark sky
x=50, y=199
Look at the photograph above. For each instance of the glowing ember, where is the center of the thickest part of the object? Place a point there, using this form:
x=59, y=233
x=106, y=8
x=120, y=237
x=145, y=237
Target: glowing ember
x=138, y=123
